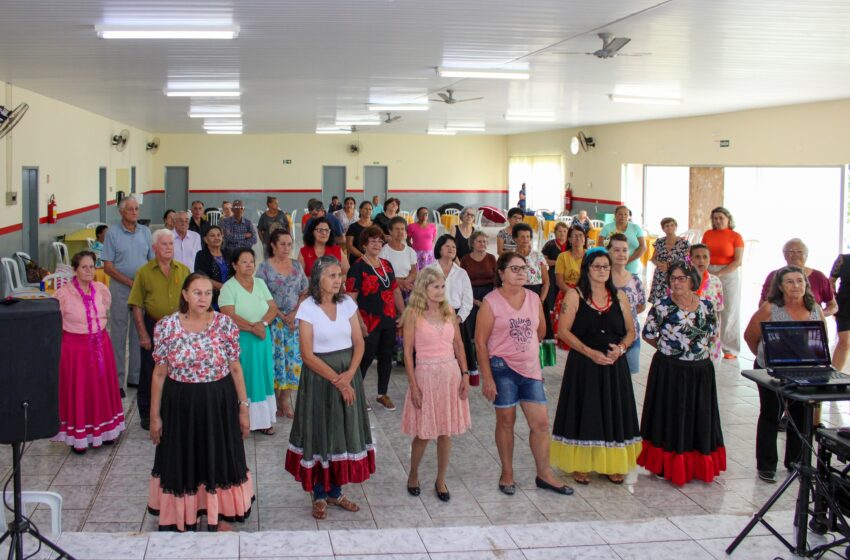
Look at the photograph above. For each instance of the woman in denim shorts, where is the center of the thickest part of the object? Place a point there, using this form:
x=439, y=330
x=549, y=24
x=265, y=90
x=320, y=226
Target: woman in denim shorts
x=507, y=338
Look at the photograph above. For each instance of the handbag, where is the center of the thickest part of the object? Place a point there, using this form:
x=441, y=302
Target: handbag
x=548, y=355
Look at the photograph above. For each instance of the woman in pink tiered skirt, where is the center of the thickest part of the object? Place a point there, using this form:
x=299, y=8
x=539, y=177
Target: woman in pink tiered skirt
x=90, y=410
x=436, y=406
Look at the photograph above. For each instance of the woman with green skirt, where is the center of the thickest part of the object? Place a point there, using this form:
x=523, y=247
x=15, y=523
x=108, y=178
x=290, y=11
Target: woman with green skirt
x=330, y=444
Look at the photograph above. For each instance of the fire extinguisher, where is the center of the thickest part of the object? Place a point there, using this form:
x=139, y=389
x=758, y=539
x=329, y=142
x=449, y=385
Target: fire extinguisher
x=52, y=212
x=568, y=198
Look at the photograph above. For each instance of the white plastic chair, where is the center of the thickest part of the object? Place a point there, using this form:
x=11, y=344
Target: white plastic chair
x=93, y=225
x=56, y=281
x=213, y=217
x=692, y=235
x=90, y=242
x=597, y=224
x=404, y=214
x=50, y=499
x=60, y=253
x=478, y=217
x=22, y=260
x=437, y=219
x=12, y=285
x=565, y=219
x=452, y=212
x=292, y=216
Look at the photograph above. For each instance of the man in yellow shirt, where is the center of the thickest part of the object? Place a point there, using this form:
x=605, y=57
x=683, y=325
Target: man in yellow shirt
x=155, y=294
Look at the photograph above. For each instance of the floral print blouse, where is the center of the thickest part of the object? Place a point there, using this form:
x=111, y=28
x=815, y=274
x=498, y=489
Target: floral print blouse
x=285, y=289
x=374, y=293
x=536, y=267
x=201, y=357
x=679, y=252
x=634, y=291
x=712, y=290
x=680, y=334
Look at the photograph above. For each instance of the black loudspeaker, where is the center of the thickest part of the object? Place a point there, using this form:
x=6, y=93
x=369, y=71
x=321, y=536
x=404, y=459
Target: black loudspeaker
x=30, y=342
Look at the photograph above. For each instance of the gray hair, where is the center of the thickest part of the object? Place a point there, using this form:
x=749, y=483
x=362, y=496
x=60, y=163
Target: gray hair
x=125, y=201
x=319, y=267
x=796, y=240
x=183, y=213
x=155, y=237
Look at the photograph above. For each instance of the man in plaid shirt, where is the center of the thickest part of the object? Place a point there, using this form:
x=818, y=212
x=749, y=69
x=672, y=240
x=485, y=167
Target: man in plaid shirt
x=238, y=231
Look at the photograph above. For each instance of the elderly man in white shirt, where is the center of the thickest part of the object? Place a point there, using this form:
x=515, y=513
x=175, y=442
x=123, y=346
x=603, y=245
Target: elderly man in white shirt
x=187, y=243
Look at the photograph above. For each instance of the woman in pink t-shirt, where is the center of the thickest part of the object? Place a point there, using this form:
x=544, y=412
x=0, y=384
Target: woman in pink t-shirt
x=507, y=339
x=90, y=409
x=421, y=236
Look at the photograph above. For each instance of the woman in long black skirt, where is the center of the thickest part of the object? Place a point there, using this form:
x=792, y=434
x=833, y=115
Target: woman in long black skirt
x=682, y=438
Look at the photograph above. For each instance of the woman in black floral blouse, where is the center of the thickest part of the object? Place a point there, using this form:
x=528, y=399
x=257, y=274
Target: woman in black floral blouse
x=682, y=439
x=371, y=283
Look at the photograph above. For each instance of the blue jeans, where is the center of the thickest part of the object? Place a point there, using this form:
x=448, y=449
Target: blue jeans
x=320, y=494
x=513, y=388
x=633, y=357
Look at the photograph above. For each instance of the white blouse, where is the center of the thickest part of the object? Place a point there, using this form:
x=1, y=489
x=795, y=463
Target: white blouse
x=458, y=289
x=328, y=336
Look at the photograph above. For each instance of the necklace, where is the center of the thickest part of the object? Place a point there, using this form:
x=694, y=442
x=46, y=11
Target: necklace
x=385, y=279
x=686, y=306
x=602, y=308
x=93, y=323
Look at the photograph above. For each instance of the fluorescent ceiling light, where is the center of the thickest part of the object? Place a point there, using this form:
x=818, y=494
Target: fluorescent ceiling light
x=332, y=130
x=215, y=85
x=441, y=132
x=489, y=73
x=398, y=107
x=644, y=100
x=224, y=132
x=358, y=122
x=530, y=117
x=461, y=128
x=167, y=32
x=214, y=115
x=223, y=127
x=191, y=93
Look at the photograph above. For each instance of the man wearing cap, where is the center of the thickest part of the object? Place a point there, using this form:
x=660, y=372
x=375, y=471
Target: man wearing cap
x=238, y=231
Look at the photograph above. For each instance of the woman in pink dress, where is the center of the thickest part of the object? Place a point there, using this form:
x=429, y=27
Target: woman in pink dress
x=436, y=405
x=421, y=236
x=90, y=409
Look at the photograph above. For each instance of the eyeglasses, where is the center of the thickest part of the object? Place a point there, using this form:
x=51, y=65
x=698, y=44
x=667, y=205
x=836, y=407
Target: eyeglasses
x=376, y=240
x=600, y=267
x=678, y=278
x=322, y=230
x=793, y=251
x=518, y=269
x=469, y=215
x=238, y=207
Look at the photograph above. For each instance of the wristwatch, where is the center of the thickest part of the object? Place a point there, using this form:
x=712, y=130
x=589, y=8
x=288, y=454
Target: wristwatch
x=246, y=404
x=265, y=323
x=622, y=349
x=464, y=373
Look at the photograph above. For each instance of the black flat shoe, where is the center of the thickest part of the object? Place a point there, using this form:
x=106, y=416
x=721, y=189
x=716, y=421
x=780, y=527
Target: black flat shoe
x=413, y=490
x=509, y=489
x=146, y=423
x=122, y=393
x=444, y=496
x=543, y=485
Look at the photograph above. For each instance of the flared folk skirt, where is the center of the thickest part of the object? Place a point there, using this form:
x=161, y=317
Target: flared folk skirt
x=258, y=368
x=330, y=442
x=443, y=412
x=681, y=429
x=200, y=467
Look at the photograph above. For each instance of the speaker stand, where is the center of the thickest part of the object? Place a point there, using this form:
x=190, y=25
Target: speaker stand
x=20, y=525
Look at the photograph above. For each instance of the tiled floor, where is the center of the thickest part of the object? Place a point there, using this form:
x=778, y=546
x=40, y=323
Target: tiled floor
x=105, y=491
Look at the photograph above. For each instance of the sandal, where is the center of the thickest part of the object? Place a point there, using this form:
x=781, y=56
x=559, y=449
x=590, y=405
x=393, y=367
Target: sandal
x=581, y=478
x=267, y=431
x=616, y=478
x=344, y=503
x=320, y=509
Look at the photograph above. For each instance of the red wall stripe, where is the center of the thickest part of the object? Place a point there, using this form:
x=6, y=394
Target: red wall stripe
x=12, y=228
x=597, y=200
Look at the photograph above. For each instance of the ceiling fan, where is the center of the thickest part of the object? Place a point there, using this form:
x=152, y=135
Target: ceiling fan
x=10, y=118
x=610, y=47
x=449, y=99
x=391, y=119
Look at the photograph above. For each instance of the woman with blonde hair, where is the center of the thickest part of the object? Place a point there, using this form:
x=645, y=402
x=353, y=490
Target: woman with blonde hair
x=436, y=405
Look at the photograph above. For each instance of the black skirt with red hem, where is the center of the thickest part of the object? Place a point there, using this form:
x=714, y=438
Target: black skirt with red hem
x=680, y=426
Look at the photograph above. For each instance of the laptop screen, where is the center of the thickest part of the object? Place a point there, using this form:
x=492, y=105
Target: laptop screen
x=795, y=343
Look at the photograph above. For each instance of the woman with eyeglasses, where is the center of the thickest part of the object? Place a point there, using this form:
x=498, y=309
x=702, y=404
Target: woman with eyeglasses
x=505, y=237
x=463, y=232
x=790, y=298
x=319, y=242
x=507, y=339
x=596, y=424
x=682, y=438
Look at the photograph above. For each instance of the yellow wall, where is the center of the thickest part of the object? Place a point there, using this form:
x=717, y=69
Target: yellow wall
x=255, y=161
x=810, y=134
x=68, y=145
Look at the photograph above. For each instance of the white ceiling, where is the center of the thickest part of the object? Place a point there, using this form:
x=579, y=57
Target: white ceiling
x=302, y=62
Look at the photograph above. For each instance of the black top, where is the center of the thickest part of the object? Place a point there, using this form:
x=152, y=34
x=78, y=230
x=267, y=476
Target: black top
x=354, y=230
x=841, y=271
x=205, y=262
x=462, y=243
x=383, y=222
x=598, y=329
x=374, y=289
x=551, y=251
x=199, y=229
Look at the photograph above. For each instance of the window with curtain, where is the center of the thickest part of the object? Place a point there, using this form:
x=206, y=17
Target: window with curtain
x=544, y=181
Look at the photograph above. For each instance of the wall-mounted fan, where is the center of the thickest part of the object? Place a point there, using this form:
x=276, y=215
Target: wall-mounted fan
x=10, y=118
x=449, y=98
x=153, y=145
x=586, y=142
x=391, y=119
x=354, y=148
x=610, y=47
x=119, y=141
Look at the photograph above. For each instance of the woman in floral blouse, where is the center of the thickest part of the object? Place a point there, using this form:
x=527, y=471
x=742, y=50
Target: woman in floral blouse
x=285, y=278
x=711, y=289
x=682, y=439
x=371, y=283
x=668, y=249
x=199, y=416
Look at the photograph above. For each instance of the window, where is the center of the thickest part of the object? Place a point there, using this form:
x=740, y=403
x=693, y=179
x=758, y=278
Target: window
x=544, y=182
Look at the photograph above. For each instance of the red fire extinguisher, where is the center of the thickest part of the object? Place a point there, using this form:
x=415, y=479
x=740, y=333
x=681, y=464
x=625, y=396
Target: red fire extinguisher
x=52, y=212
x=568, y=198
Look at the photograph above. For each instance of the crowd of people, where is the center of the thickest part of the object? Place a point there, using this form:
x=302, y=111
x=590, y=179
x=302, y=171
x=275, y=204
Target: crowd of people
x=220, y=347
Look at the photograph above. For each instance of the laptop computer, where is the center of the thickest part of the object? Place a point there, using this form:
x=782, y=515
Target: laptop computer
x=797, y=352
